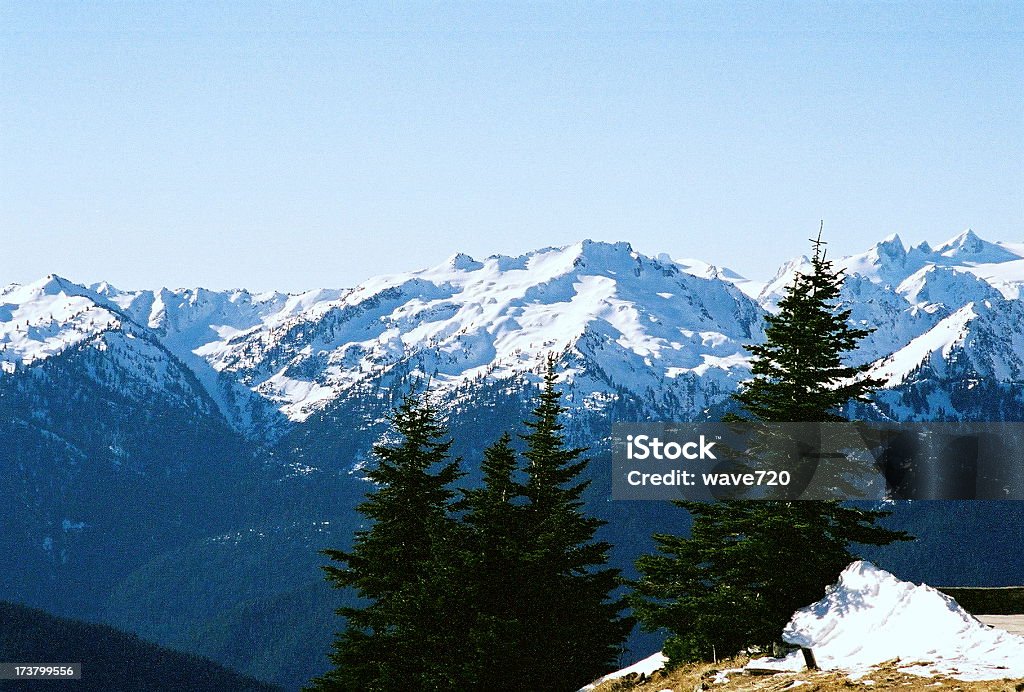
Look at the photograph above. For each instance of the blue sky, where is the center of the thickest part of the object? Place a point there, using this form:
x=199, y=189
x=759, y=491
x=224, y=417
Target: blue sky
x=293, y=145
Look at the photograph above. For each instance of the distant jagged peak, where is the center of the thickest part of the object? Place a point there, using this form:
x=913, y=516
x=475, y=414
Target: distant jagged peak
x=968, y=246
x=542, y=265
x=198, y=296
x=105, y=288
x=966, y=241
x=580, y=253
x=462, y=262
x=891, y=246
x=599, y=252
x=792, y=266
x=887, y=261
x=773, y=291
x=591, y=249
x=603, y=246
x=705, y=270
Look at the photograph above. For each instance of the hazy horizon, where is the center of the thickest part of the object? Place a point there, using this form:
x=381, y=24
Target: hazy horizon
x=289, y=147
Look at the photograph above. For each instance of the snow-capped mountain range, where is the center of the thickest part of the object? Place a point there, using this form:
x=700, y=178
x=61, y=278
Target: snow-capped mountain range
x=145, y=431
x=669, y=333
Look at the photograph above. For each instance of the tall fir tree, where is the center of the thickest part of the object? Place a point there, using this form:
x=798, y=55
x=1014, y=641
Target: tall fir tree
x=495, y=571
x=747, y=565
x=572, y=625
x=406, y=566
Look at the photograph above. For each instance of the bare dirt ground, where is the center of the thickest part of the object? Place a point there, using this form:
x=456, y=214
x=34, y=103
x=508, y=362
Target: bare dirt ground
x=701, y=676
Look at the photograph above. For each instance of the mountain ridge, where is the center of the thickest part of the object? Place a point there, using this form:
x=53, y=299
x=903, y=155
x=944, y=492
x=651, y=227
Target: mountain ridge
x=649, y=324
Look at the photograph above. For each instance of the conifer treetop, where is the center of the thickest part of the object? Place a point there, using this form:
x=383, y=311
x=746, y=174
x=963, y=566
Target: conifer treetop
x=800, y=373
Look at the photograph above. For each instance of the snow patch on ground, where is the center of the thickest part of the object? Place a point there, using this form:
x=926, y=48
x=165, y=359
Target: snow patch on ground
x=645, y=667
x=793, y=663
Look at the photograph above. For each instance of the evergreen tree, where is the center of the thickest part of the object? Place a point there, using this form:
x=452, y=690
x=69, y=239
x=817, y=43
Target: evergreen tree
x=747, y=565
x=409, y=634
x=798, y=372
x=572, y=628
x=495, y=571
x=513, y=597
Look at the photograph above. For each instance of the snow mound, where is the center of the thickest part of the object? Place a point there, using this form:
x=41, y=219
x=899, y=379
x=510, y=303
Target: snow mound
x=870, y=616
x=645, y=667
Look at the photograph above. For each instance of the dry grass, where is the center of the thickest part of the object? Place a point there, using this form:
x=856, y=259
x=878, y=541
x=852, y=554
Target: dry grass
x=699, y=676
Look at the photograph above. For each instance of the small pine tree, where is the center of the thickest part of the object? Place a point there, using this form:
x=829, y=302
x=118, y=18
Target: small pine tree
x=572, y=626
x=746, y=566
x=405, y=565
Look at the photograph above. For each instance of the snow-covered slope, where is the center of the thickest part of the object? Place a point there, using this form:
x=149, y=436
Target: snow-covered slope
x=710, y=271
x=624, y=320
x=190, y=321
x=979, y=347
x=55, y=317
x=43, y=319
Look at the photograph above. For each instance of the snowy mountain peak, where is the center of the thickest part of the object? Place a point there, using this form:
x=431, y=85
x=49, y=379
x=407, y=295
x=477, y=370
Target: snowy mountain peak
x=891, y=246
x=887, y=261
x=948, y=286
x=49, y=285
x=52, y=283
x=701, y=268
x=969, y=247
x=46, y=317
x=601, y=252
x=104, y=289
x=619, y=246
x=774, y=290
x=626, y=320
x=966, y=240
x=461, y=262
x=704, y=270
